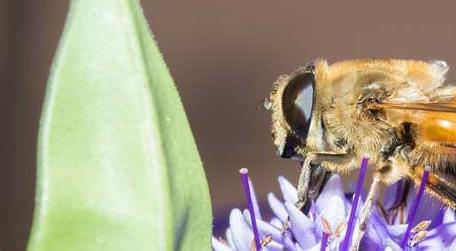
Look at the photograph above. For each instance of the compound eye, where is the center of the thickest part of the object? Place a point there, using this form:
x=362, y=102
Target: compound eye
x=297, y=102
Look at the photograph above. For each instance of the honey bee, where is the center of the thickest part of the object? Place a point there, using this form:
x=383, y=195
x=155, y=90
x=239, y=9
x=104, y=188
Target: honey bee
x=401, y=113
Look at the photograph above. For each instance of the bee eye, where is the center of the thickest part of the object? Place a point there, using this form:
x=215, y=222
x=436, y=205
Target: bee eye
x=297, y=102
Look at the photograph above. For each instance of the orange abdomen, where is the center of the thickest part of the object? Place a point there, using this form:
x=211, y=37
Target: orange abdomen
x=437, y=126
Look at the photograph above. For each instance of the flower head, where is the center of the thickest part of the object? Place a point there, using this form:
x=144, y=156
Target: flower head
x=289, y=228
x=325, y=225
x=434, y=227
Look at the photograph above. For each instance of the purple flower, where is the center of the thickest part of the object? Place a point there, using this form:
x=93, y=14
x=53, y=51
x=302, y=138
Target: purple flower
x=327, y=214
x=387, y=230
x=325, y=226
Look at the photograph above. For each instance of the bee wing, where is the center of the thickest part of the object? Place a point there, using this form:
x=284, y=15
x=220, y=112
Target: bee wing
x=435, y=120
x=439, y=107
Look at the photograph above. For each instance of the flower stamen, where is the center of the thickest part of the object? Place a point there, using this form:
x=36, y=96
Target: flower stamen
x=326, y=233
x=324, y=241
x=248, y=196
x=326, y=225
x=285, y=227
x=266, y=240
x=421, y=226
x=339, y=229
x=351, y=218
x=417, y=238
x=414, y=208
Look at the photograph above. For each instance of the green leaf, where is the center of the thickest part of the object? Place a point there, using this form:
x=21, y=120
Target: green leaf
x=118, y=168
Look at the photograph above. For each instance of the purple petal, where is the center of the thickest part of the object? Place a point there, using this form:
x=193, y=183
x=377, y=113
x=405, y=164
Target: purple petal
x=288, y=242
x=396, y=232
x=264, y=227
x=301, y=226
x=332, y=212
x=273, y=246
x=276, y=222
x=219, y=246
x=439, y=238
x=256, y=207
x=453, y=245
x=348, y=204
x=229, y=237
x=392, y=246
x=298, y=248
x=377, y=234
x=449, y=216
x=242, y=235
x=290, y=194
x=380, y=235
x=312, y=211
x=277, y=207
x=316, y=247
x=332, y=188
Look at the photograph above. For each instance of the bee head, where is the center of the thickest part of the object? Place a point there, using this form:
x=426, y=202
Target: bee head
x=291, y=103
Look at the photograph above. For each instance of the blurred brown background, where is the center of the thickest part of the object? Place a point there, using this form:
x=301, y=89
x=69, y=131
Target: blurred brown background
x=224, y=56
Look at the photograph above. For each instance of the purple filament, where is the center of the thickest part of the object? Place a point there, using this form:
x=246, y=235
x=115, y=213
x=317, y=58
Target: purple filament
x=412, y=213
x=248, y=196
x=324, y=241
x=351, y=220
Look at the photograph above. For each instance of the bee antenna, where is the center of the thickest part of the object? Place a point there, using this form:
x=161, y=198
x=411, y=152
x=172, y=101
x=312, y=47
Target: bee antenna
x=265, y=104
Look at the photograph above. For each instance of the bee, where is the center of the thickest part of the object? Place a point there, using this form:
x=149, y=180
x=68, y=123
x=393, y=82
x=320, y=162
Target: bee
x=401, y=113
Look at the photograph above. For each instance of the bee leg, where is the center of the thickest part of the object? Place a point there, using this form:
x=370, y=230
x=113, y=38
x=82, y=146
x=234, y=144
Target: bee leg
x=313, y=177
x=400, y=202
x=370, y=202
x=303, y=190
x=303, y=184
